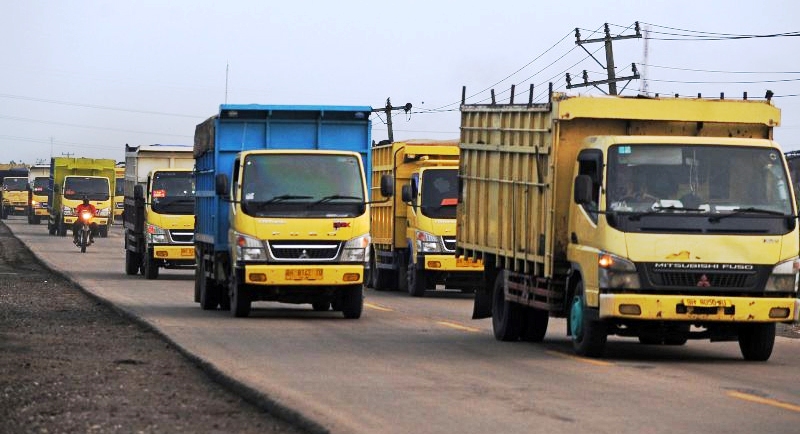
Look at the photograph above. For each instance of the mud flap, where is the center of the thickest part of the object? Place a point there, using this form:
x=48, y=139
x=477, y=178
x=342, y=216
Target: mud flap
x=483, y=304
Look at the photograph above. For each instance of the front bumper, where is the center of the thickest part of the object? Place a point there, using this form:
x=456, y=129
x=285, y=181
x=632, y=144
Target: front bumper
x=303, y=275
x=174, y=253
x=700, y=308
x=450, y=263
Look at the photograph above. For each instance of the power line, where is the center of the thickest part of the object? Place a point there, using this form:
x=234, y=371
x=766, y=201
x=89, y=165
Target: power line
x=50, y=101
x=38, y=121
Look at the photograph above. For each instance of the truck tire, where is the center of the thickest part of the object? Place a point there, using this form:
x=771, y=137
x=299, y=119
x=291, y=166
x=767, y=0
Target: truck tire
x=3, y=212
x=240, y=298
x=51, y=229
x=352, y=301
x=321, y=306
x=149, y=265
x=131, y=263
x=534, y=324
x=103, y=231
x=209, y=298
x=416, y=280
x=589, y=336
x=37, y=220
x=756, y=341
x=62, y=229
x=506, y=316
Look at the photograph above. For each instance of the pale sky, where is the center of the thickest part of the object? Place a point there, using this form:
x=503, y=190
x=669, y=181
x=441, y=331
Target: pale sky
x=86, y=77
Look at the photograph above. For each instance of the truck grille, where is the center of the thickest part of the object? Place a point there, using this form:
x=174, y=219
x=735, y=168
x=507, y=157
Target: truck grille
x=704, y=279
x=181, y=237
x=304, y=250
x=449, y=244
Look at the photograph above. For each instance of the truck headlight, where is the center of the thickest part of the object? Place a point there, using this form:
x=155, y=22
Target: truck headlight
x=156, y=235
x=355, y=249
x=616, y=272
x=247, y=248
x=428, y=243
x=784, y=276
x=67, y=210
x=104, y=212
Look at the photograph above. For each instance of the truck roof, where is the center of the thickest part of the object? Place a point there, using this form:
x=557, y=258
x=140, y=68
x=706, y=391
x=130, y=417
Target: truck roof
x=157, y=147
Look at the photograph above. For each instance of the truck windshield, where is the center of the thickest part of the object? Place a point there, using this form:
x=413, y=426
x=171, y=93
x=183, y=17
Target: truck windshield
x=41, y=186
x=76, y=187
x=15, y=184
x=439, y=193
x=173, y=193
x=292, y=185
x=693, y=186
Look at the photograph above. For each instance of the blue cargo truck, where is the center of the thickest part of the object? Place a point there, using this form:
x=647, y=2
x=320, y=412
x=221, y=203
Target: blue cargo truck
x=281, y=206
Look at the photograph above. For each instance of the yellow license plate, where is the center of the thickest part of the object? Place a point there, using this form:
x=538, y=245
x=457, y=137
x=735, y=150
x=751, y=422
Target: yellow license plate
x=464, y=262
x=304, y=274
x=707, y=302
x=185, y=251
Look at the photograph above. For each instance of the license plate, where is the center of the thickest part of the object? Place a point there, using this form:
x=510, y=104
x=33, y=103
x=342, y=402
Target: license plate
x=707, y=302
x=187, y=251
x=19, y=208
x=464, y=262
x=304, y=274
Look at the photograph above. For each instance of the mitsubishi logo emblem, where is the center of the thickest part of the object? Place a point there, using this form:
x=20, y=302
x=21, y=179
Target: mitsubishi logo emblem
x=304, y=255
x=703, y=282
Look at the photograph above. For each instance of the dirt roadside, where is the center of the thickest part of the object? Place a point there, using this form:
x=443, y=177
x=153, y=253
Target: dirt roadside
x=69, y=364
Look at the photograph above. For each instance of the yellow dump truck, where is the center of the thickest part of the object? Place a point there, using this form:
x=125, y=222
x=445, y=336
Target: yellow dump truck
x=414, y=233
x=119, y=190
x=662, y=219
x=73, y=179
x=14, y=196
x=159, y=208
x=38, y=192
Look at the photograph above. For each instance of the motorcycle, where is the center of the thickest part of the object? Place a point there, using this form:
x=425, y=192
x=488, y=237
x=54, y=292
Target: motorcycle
x=85, y=232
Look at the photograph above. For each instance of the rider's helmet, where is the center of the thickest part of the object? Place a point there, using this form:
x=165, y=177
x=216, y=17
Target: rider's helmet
x=85, y=200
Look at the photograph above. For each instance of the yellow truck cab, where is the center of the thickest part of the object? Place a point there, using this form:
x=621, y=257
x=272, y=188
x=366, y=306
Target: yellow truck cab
x=38, y=192
x=72, y=180
x=660, y=219
x=119, y=190
x=15, y=196
x=414, y=234
x=159, y=209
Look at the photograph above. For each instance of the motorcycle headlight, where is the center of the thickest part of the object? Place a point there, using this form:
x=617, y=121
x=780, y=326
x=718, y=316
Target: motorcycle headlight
x=616, y=272
x=247, y=248
x=428, y=243
x=86, y=216
x=67, y=210
x=156, y=235
x=784, y=276
x=356, y=249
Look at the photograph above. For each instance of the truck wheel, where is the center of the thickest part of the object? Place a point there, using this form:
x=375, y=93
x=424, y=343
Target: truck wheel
x=207, y=287
x=3, y=212
x=37, y=220
x=103, y=231
x=240, y=299
x=131, y=263
x=756, y=341
x=534, y=324
x=416, y=281
x=588, y=336
x=352, y=301
x=379, y=280
x=150, y=266
x=506, y=316
x=62, y=229
x=51, y=229
x=321, y=306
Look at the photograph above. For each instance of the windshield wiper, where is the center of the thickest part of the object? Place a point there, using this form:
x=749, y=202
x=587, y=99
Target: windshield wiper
x=282, y=198
x=658, y=210
x=333, y=197
x=738, y=211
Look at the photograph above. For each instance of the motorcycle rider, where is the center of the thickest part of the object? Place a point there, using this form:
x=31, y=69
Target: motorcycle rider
x=76, y=227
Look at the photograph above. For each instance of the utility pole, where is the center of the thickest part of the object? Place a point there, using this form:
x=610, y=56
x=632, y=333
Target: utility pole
x=68, y=154
x=609, y=66
x=388, y=112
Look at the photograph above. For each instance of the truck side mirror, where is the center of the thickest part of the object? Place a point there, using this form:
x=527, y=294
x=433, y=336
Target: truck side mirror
x=138, y=192
x=406, y=194
x=387, y=185
x=582, y=194
x=221, y=184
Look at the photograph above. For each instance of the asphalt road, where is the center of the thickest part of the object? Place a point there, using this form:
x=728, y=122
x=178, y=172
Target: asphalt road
x=421, y=365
